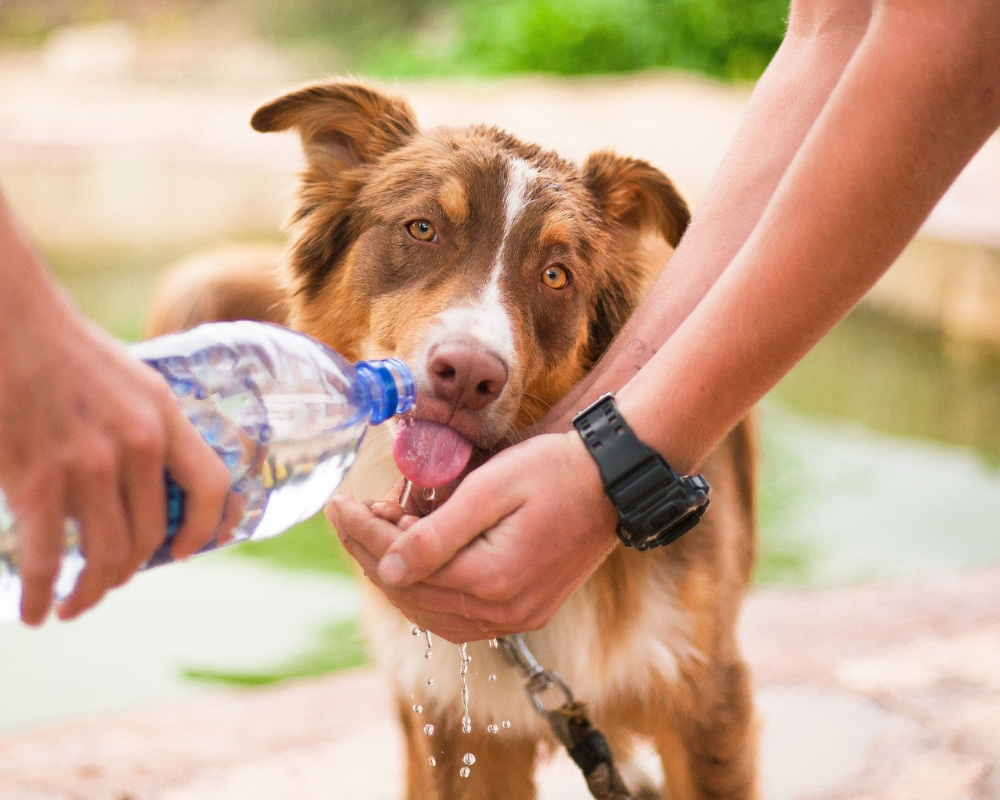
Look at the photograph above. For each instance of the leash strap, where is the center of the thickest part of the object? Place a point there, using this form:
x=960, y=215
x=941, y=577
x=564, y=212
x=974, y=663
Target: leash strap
x=585, y=744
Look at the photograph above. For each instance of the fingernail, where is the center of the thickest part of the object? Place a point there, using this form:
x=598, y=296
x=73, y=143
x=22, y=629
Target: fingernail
x=333, y=509
x=393, y=570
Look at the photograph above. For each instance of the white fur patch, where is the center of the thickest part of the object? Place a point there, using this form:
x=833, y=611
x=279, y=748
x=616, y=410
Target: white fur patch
x=486, y=319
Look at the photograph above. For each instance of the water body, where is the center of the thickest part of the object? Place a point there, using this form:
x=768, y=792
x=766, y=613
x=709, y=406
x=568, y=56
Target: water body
x=880, y=457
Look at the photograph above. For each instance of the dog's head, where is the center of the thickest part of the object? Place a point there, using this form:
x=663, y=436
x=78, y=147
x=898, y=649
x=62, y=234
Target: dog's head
x=497, y=270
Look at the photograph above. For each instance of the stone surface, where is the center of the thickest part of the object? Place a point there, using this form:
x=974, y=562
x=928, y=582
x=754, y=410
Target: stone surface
x=885, y=691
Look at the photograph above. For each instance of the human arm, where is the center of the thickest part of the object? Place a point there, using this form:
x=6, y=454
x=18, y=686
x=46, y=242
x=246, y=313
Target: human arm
x=916, y=101
x=86, y=432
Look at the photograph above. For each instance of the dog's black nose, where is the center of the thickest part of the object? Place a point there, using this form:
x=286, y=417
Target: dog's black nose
x=466, y=374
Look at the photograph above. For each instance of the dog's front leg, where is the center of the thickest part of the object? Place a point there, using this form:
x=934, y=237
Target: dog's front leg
x=504, y=766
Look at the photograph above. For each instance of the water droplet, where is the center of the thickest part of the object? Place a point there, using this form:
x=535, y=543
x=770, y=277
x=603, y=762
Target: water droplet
x=465, y=772
x=491, y=677
x=427, y=653
x=418, y=708
x=429, y=729
x=469, y=759
x=430, y=681
x=466, y=724
x=494, y=644
x=429, y=495
x=505, y=723
x=432, y=761
x=415, y=630
x=492, y=728
x=404, y=492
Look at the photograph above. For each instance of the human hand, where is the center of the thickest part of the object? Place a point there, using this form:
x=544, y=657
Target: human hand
x=86, y=432
x=518, y=535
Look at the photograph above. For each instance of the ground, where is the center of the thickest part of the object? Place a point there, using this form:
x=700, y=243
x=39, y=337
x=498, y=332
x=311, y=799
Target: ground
x=887, y=691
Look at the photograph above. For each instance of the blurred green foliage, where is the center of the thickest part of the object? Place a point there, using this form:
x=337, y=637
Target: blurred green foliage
x=731, y=39
x=723, y=38
x=338, y=646
x=312, y=545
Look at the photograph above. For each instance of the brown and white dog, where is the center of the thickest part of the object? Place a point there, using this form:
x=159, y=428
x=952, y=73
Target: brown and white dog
x=500, y=272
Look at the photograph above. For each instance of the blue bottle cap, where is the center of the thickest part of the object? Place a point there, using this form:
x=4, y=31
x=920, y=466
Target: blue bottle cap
x=389, y=385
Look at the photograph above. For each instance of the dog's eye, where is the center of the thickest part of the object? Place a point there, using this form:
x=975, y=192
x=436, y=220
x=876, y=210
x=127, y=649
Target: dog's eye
x=422, y=230
x=555, y=277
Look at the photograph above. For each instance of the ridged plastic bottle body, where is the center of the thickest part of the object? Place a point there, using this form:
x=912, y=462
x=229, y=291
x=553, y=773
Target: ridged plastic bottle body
x=286, y=414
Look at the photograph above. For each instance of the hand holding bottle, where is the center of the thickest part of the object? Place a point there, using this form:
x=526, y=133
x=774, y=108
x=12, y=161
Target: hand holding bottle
x=86, y=431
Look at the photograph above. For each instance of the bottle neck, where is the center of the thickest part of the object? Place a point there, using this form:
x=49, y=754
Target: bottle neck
x=388, y=385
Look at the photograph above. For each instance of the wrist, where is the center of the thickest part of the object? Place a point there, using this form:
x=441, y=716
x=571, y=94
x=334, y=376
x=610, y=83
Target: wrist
x=654, y=504
x=588, y=477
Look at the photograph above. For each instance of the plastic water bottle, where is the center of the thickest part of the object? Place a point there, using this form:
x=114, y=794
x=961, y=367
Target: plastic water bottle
x=285, y=413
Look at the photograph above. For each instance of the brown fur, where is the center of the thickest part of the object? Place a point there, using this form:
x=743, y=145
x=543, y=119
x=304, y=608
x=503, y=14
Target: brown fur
x=360, y=285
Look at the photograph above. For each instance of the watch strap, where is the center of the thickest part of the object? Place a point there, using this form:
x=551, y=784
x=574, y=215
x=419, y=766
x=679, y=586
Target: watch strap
x=655, y=505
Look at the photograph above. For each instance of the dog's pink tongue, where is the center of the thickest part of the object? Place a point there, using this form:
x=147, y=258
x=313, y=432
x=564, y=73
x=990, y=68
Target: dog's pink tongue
x=431, y=455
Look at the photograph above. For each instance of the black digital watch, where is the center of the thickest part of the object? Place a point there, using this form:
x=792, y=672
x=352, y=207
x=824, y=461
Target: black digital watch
x=655, y=505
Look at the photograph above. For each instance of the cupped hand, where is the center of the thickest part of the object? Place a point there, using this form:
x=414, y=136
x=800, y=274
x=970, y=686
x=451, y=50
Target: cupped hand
x=500, y=556
x=86, y=432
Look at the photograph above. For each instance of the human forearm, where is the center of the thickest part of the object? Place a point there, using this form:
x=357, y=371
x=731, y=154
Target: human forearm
x=793, y=89
x=918, y=100
x=27, y=288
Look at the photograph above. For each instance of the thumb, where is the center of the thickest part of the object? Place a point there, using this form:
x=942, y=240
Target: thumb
x=430, y=543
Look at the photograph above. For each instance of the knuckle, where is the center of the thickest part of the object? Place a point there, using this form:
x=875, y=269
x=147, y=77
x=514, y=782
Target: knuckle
x=99, y=464
x=161, y=394
x=146, y=440
x=217, y=483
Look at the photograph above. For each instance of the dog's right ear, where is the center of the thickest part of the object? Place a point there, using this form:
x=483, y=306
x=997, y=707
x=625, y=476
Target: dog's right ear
x=347, y=122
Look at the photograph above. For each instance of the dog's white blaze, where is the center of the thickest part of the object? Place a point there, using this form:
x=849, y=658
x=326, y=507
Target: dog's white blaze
x=519, y=178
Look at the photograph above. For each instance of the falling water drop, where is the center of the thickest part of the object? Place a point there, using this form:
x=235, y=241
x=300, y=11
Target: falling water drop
x=430, y=681
x=429, y=495
x=465, y=772
x=429, y=729
x=491, y=677
x=505, y=723
x=494, y=644
x=417, y=708
x=432, y=761
x=492, y=728
x=463, y=672
x=469, y=759
x=415, y=630
x=428, y=653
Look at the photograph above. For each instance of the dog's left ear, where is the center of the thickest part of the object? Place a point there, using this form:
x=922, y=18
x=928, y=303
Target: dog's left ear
x=340, y=119
x=633, y=198
x=635, y=194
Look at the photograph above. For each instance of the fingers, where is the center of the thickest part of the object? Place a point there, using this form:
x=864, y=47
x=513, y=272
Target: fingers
x=41, y=526
x=433, y=541
x=144, y=495
x=94, y=500
x=354, y=520
x=199, y=471
x=432, y=607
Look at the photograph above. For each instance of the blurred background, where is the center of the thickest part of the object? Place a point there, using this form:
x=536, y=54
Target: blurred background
x=125, y=144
